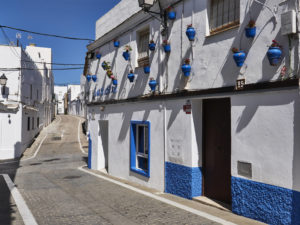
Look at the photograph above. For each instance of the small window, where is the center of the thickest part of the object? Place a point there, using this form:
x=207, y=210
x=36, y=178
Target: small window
x=143, y=48
x=38, y=122
x=224, y=14
x=28, y=123
x=140, y=147
x=32, y=123
x=30, y=91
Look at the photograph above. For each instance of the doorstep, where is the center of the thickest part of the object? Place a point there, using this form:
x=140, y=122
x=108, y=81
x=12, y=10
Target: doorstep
x=213, y=203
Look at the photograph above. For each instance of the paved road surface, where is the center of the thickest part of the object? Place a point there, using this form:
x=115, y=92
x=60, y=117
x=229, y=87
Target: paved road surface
x=56, y=192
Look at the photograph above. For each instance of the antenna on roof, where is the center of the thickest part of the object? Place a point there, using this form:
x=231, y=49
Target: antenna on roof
x=18, y=36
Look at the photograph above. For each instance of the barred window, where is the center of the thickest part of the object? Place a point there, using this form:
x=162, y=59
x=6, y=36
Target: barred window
x=224, y=14
x=143, y=47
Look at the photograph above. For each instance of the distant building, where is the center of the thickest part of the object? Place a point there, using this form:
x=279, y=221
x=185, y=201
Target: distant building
x=75, y=103
x=26, y=101
x=60, y=92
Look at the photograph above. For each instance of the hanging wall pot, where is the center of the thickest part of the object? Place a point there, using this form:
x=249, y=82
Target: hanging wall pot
x=190, y=32
x=116, y=43
x=88, y=77
x=98, y=55
x=250, y=30
x=171, y=13
x=147, y=69
x=126, y=53
x=152, y=45
x=152, y=84
x=167, y=46
x=115, y=81
x=94, y=78
x=130, y=76
x=239, y=57
x=274, y=53
x=105, y=65
x=186, y=68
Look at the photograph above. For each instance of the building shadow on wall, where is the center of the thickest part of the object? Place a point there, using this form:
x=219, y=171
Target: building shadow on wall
x=229, y=70
x=8, y=209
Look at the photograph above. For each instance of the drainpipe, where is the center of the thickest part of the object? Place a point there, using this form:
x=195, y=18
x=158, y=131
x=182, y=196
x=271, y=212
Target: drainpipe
x=165, y=138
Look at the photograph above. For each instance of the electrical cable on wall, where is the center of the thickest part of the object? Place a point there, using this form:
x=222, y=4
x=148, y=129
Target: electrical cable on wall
x=16, y=69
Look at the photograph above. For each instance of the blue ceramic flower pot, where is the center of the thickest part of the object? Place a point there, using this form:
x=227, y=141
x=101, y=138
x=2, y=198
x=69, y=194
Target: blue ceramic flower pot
x=115, y=82
x=190, y=33
x=146, y=69
x=250, y=32
x=274, y=55
x=126, y=55
x=167, y=48
x=152, y=46
x=103, y=66
x=94, y=78
x=98, y=56
x=152, y=84
x=88, y=77
x=131, y=77
x=172, y=15
x=186, y=69
x=116, y=44
x=239, y=58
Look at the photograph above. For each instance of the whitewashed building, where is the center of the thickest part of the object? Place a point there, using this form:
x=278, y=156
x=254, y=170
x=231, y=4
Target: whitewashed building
x=60, y=92
x=205, y=134
x=26, y=104
x=75, y=106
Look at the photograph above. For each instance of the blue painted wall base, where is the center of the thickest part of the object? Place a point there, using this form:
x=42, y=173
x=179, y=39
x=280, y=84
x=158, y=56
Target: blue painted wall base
x=90, y=153
x=264, y=202
x=183, y=181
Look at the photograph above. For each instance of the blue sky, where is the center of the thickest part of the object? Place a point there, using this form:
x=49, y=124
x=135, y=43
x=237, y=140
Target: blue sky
x=75, y=18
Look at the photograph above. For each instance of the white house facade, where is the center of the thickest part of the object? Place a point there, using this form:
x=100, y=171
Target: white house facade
x=228, y=130
x=75, y=105
x=24, y=106
x=60, y=92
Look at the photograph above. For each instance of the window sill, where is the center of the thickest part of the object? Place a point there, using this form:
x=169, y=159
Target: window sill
x=221, y=30
x=139, y=171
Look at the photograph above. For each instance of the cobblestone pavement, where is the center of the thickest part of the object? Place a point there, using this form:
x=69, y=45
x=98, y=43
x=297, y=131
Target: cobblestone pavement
x=57, y=192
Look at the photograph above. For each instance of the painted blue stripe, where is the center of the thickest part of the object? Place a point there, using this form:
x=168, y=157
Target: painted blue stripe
x=90, y=152
x=183, y=181
x=264, y=202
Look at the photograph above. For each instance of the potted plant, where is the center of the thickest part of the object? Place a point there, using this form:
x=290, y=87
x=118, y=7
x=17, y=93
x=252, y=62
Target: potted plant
x=274, y=53
x=98, y=55
x=116, y=43
x=131, y=76
x=171, y=13
x=114, y=81
x=152, y=45
x=190, y=32
x=94, y=78
x=88, y=77
x=152, y=84
x=186, y=68
x=105, y=65
x=250, y=30
x=109, y=73
x=146, y=69
x=239, y=57
x=166, y=45
x=126, y=53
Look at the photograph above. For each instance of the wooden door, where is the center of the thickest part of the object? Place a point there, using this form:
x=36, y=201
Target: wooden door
x=217, y=149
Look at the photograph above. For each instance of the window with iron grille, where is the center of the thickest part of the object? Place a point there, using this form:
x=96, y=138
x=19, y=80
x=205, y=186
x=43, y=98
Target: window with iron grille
x=143, y=47
x=223, y=15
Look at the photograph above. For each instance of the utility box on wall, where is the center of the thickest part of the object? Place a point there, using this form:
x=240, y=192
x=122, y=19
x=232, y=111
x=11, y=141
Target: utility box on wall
x=288, y=23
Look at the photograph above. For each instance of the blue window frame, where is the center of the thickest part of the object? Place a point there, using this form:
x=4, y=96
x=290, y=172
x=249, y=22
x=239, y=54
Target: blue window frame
x=140, y=147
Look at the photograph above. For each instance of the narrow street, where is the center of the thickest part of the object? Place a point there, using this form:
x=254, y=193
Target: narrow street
x=57, y=192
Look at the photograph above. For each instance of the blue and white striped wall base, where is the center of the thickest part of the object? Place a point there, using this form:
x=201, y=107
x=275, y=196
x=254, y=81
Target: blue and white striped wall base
x=183, y=181
x=264, y=202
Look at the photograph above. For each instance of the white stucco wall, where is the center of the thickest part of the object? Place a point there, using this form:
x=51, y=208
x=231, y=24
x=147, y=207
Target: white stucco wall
x=212, y=61
x=60, y=92
x=263, y=134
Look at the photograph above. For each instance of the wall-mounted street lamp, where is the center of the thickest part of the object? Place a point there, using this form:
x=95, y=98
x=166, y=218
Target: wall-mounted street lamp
x=146, y=5
x=3, y=80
